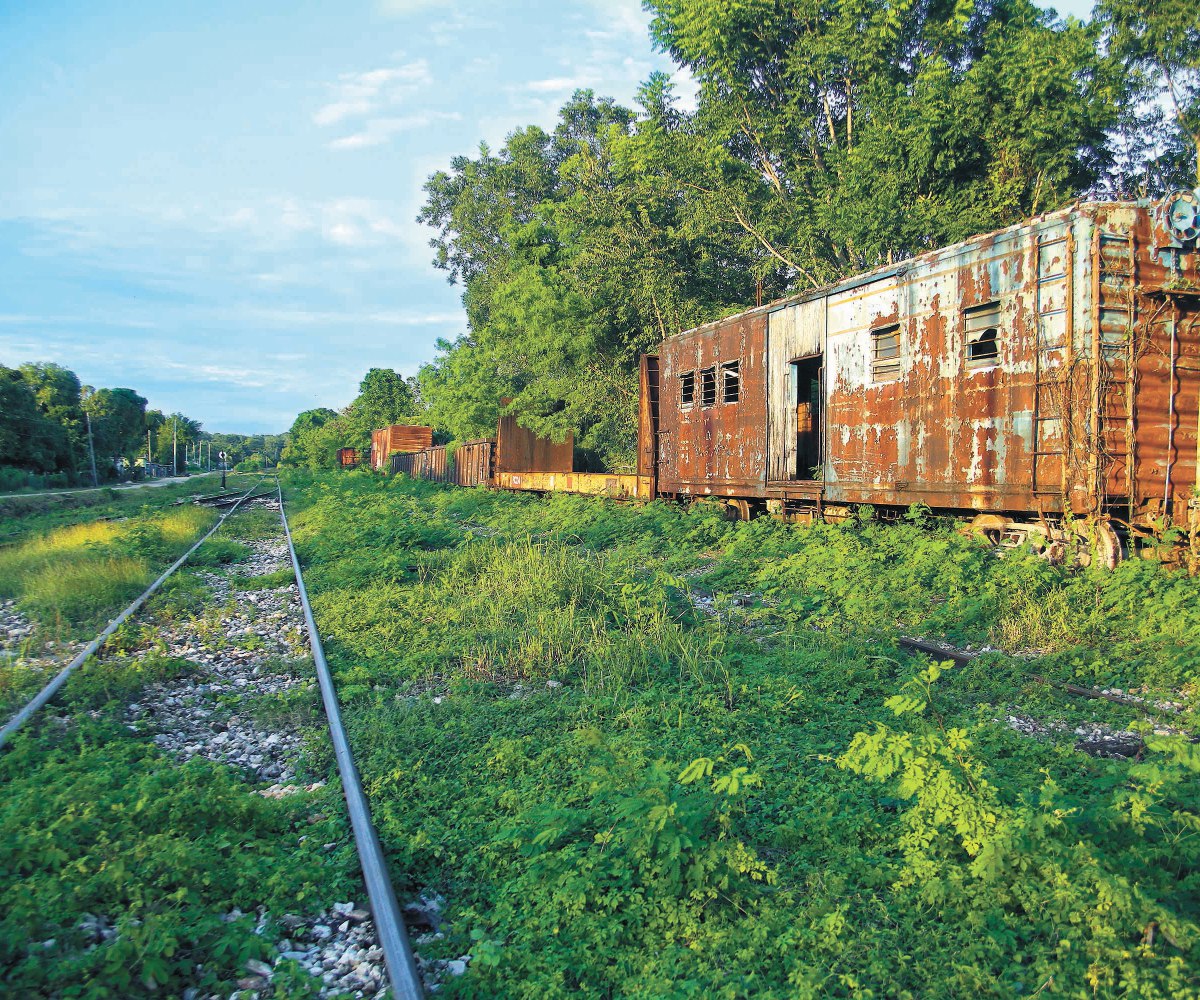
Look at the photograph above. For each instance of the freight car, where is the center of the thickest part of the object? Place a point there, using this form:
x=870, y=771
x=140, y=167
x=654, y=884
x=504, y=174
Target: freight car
x=1036, y=378
x=347, y=458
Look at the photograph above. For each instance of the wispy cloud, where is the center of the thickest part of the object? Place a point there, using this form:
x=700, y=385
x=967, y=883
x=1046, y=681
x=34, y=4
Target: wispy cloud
x=377, y=131
x=555, y=84
x=402, y=8
x=357, y=95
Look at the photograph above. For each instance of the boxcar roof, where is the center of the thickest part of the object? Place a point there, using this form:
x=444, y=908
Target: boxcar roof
x=889, y=270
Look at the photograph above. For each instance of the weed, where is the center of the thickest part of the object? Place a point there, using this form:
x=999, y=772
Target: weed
x=559, y=789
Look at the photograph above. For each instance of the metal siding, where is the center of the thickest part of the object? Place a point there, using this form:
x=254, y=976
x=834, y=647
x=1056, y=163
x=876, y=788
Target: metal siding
x=519, y=449
x=718, y=449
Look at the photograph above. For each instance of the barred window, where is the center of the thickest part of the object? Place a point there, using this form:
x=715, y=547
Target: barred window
x=981, y=335
x=708, y=387
x=687, y=389
x=731, y=383
x=885, y=353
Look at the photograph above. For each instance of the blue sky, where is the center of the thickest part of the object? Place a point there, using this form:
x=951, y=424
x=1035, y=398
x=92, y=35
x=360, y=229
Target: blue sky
x=215, y=203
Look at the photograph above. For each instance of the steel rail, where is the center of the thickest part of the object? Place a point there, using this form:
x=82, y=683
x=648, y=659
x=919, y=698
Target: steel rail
x=51, y=689
x=389, y=925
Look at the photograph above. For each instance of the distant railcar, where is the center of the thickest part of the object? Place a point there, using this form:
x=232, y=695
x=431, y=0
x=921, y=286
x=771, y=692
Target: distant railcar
x=347, y=457
x=398, y=438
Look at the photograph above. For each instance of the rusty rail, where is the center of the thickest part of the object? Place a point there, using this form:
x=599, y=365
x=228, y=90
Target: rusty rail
x=402, y=968
x=961, y=656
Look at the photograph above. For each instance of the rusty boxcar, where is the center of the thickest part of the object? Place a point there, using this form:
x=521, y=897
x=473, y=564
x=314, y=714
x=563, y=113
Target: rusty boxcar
x=347, y=457
x=1050, y=368
x=398, y=438
x=470, y=464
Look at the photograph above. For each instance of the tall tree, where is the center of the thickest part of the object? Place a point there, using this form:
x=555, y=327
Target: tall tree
x=58, y=394
x=1158, y=41
x=307, y=446
x=118, y=419
x=28, y=439
x=384, y=397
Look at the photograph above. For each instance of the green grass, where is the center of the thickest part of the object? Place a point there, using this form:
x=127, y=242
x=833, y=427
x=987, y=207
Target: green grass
x=622, y=795
x=76, y=577
x=266, y=581
x=34, y=514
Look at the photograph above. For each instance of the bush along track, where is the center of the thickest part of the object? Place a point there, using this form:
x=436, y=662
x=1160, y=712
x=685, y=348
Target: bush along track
x=171, y=826
x=640, y=751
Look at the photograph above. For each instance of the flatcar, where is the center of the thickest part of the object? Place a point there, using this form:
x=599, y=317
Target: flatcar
x=1030, y=378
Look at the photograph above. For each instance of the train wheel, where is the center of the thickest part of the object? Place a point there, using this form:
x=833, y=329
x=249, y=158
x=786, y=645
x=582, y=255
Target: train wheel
x=737, y=510
x=1096, y=543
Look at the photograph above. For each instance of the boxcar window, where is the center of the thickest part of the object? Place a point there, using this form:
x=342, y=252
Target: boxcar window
x=708, y=387
x=981, y=329
x=687, y=388
x=885, y=354
x=730, y=382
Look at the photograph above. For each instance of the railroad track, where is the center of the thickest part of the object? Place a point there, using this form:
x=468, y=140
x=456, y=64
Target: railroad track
x=385, y=911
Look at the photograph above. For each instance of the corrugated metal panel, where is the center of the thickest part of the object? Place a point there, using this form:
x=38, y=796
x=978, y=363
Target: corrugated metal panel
x=387, y=441
x=473, y=463
x=519, y=449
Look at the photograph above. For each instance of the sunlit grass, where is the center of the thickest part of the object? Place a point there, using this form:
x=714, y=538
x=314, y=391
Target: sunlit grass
x=80, y=574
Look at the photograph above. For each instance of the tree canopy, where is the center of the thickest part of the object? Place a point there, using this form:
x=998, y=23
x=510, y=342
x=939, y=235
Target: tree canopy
x=828, y=137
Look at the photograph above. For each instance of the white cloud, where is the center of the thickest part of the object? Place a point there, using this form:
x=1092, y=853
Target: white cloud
x=555, y=84
x=402, y=8
x=620, y=17
x=356, y=95
x=317, y=317
x=377, y=131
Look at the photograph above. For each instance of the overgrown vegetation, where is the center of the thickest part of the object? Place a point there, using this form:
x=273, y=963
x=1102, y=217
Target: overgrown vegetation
x=125, y=872
x=73, y=577
x=72, y=580
x=646, y=752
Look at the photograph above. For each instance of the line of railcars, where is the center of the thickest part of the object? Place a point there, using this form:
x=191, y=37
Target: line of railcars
x=1046, y=372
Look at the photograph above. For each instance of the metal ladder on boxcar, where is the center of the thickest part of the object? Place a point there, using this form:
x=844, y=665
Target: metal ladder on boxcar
x=1115, y=377
x=1052, y=367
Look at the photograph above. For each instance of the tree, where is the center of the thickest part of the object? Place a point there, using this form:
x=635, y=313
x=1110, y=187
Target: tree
x=384, y=397
x=1158, y=43
x=307, y=446
x=28, y=440
x=118, y=421
x=57, y=391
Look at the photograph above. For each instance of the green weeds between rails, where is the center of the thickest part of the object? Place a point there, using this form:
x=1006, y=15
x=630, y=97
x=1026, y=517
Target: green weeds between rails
x=646, y=752
x=96, y=822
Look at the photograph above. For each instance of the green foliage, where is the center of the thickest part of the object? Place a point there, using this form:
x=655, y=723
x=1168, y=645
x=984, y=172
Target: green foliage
x=80, y=575
x=555, y=731
x=102, y=824
x=827, y=139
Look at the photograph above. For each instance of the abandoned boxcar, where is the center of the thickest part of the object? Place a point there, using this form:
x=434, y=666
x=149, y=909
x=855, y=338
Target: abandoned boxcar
x=1050, y=368
x=387, y=441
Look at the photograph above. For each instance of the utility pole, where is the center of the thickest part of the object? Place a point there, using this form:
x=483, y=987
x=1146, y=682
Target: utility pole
x=175, y=446
x=148, y=458
x=91, y=448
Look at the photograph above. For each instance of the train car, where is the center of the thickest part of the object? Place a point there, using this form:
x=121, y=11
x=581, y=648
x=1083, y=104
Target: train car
x=1050, y=368
x=470, y=464
x=387, y=441
x=347, y=458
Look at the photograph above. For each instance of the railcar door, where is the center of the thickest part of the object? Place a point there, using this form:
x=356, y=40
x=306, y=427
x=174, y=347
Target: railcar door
x=805, y=379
